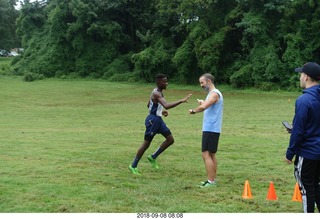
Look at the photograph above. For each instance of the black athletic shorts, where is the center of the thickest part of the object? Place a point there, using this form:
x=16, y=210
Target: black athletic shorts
x=210, y=141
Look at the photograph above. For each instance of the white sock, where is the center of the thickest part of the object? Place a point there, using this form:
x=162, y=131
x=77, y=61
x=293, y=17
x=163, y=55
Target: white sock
x=210, y=181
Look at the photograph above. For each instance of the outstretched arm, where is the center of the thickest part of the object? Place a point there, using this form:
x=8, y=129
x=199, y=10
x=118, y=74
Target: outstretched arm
x=168, y=105
x=204, y=104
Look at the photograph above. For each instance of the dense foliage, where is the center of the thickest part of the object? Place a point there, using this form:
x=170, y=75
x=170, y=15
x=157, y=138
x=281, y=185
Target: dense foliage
x=244, y=43
x=8, y=15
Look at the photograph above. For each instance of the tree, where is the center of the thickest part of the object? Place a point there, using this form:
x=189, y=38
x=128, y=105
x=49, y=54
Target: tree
x=8, y=15
x=241, y=42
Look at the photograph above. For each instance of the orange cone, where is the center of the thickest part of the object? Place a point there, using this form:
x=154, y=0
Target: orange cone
x=272, y=192
x=297, y=194
x=246, y=191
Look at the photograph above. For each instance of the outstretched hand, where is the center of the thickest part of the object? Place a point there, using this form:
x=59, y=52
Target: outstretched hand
x=186, y=98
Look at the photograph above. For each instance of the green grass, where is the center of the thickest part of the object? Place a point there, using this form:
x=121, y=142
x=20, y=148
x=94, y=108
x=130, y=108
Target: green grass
x=66, y=146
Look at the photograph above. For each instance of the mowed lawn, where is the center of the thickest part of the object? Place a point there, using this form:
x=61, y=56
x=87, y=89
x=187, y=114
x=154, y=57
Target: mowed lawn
x=66, y=146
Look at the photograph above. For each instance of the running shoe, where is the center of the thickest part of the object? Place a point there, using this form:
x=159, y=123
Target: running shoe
x=153, y=162
x=134, y=170
x=207, y=184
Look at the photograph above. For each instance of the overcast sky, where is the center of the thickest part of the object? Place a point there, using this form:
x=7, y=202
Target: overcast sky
x=18, y=4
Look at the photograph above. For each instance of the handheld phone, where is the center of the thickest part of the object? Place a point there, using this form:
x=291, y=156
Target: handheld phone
x=287, y=125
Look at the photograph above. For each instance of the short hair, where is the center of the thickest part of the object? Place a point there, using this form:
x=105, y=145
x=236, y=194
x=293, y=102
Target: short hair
x=160, y=76
x=208, y=76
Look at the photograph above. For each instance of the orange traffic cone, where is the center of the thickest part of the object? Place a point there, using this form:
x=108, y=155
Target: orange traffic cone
x=272, y=192
x=246, y=191
x=297, y=194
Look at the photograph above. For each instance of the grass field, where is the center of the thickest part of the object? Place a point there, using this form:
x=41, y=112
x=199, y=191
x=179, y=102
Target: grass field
x=66, y=146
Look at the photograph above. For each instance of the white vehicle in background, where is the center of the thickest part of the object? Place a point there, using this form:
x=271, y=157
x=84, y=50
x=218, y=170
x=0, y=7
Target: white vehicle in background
x=3, y=53
x=13, y=54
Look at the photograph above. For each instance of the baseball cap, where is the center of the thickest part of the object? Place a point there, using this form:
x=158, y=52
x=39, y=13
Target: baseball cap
x=312, y=69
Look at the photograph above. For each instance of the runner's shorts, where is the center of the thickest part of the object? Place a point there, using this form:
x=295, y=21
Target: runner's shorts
x=154, y=125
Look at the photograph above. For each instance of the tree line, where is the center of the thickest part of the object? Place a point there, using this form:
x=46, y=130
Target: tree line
x=244, y=43
x=8, y=15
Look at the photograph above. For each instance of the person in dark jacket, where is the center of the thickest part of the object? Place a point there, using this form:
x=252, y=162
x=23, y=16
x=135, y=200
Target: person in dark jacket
x=304, y=142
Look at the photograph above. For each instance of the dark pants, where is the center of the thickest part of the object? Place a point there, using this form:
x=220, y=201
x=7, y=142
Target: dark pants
x=307, y=173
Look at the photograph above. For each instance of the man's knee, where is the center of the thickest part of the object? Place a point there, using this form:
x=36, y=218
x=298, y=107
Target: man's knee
x=170, y=139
